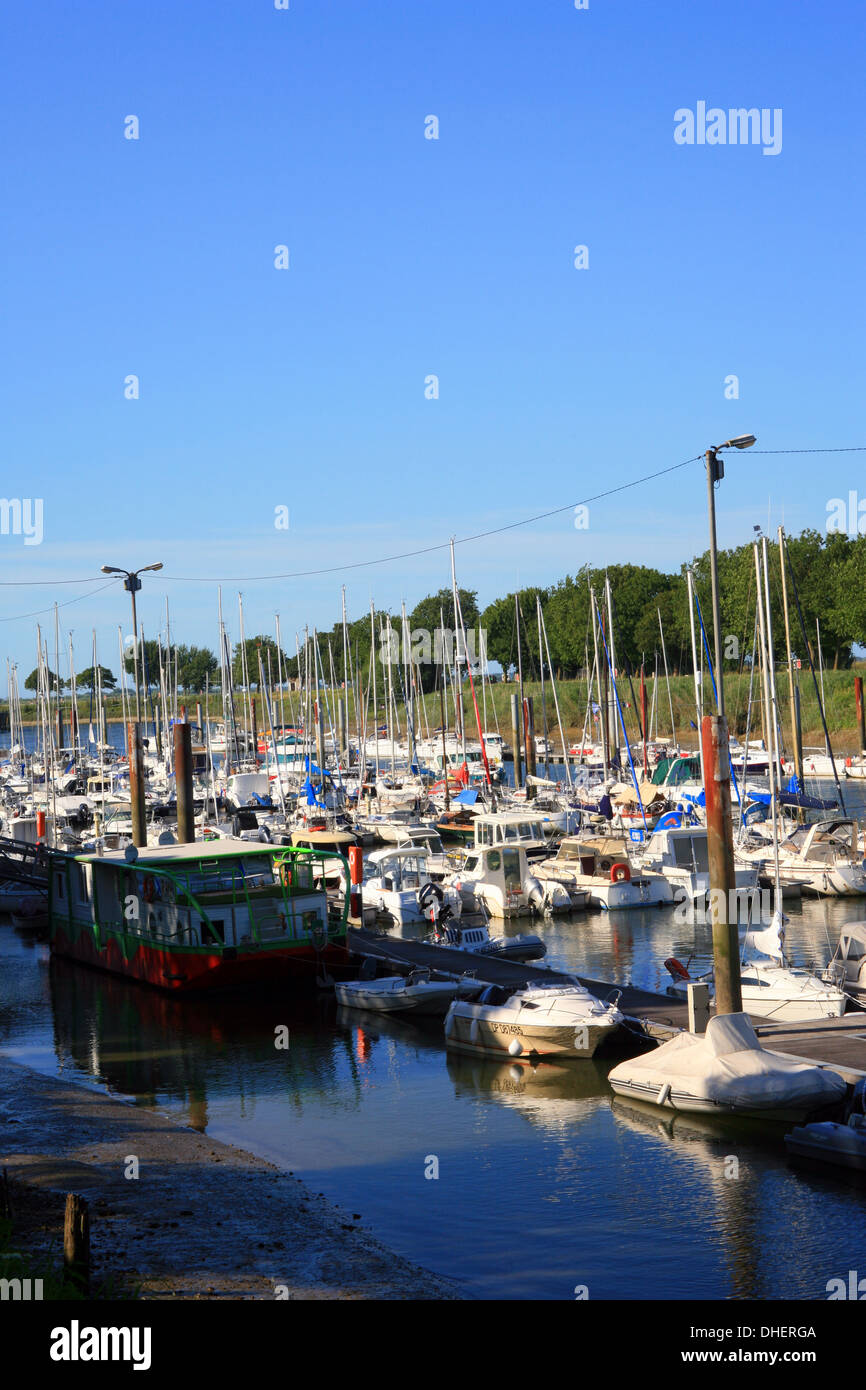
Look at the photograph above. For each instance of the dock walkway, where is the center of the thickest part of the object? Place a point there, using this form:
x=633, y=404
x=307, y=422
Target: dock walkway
x=838, y=1043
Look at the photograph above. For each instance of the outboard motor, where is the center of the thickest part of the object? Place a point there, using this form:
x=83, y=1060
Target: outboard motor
x=535, y=893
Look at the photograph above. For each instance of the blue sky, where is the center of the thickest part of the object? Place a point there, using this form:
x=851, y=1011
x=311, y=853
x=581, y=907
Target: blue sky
x=305, y=388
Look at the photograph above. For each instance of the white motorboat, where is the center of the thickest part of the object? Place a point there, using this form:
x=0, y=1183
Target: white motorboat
x=500, y=882
x=681, y=855
x=475, y=937
x=496, y=829
x=601, y=868
x=550, y=1020
x=824, y=858
x=416, y=993
x=847, y=967
x=398, y=884
x=830, y=1142
x=727, y=1071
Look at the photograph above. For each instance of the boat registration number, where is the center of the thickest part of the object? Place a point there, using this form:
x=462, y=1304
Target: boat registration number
x=504, y=1027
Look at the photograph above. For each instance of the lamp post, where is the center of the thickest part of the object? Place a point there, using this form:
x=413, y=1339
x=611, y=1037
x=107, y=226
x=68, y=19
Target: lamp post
x=132, y=583
x=715, y=473
x=716, y=763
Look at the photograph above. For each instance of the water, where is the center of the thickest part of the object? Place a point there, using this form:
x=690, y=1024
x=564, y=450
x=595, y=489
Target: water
x=545, y=1181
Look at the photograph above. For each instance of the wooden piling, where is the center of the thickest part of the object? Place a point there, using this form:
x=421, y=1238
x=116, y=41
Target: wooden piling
x=516, y=739
x=135, y=754
x=529, y=735
x=720, y=849
x=861, y=713
x=183, y=783
x=76, y=1242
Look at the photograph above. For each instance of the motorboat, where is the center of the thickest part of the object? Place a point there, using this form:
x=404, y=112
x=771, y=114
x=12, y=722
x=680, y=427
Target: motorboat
x=824, y=858
x=475, y=937
x=398, y=884
x=847, y=967
x=830, y=1142
x=500, y=882
x=680, y=853
x=497, y=829
x=416, y=993
x=549, y=1020
x=727, y=1071
x=601, y=868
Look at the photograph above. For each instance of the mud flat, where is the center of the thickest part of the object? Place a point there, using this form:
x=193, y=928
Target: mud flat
x=202, y=1219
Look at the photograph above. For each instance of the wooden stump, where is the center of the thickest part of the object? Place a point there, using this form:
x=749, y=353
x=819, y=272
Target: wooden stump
x=76, y=1242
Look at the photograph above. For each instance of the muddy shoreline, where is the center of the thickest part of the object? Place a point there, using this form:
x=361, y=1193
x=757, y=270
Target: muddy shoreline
x=202, y=1220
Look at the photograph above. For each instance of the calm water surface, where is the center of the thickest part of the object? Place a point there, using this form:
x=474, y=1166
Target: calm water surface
x=545, y=1180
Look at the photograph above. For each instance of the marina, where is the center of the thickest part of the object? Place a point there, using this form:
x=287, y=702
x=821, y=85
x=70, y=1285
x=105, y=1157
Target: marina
x=432, y=685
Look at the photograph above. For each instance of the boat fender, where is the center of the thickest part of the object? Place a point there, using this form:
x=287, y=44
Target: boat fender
x=664, y=1092
x=515, y=1047
x=677, y=969
x=620, y=873
x=473, y=1031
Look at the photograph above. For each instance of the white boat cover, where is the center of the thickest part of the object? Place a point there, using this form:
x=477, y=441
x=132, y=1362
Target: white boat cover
x=726, y=1067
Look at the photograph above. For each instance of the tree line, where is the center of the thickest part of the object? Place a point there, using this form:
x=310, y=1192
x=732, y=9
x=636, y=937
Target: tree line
x=826, y=577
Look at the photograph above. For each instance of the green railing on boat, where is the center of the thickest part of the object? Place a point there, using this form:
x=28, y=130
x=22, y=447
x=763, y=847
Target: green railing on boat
x=292, y=866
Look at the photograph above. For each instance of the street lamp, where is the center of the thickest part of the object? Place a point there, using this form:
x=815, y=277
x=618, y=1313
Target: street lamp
x=133, y=584
x=715, y=473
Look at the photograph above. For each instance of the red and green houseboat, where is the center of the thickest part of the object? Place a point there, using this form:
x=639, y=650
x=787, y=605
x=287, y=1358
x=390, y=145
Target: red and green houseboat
x=200, y=916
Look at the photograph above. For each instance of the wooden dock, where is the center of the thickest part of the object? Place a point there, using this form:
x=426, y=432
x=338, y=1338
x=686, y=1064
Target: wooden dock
x=838, y=1043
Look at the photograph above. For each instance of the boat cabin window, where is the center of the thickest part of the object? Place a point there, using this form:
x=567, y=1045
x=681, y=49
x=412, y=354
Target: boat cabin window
x=690, y=852
x=471, y=864
x=511, y=865
x=494, y=860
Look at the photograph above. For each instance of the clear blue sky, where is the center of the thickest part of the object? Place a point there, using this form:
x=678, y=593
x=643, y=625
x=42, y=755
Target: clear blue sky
x=409, y=257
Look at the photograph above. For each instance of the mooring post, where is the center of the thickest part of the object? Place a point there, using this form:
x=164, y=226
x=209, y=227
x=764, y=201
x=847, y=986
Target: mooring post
x=76, y=1242
x=529, y=734
x=861, y=713
x=515, y=738
x=341, y=726
x=183, y=783
x=720, y=849
x=356, y=874
x=135, y=754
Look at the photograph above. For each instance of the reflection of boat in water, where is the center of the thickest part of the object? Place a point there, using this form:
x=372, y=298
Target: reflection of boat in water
x=189, y=1051
x=552, y=1096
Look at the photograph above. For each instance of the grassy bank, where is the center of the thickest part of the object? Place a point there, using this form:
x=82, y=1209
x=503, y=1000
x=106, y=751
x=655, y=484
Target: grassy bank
x=838, y=693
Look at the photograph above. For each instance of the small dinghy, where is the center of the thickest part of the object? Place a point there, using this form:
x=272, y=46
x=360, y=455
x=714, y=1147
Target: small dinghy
x=416, y=993
x=727, y=1071
x=549, y=1020
x=461, y=936
x=827, y=1142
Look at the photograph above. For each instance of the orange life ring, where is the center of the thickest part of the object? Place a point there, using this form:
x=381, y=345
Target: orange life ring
x=286, y=875
x=677, y=969
x=620, y=873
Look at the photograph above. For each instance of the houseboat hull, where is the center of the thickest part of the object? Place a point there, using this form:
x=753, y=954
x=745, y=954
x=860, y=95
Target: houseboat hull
x=193, y=969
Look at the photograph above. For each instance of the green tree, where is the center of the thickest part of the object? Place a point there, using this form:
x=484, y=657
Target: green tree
x=32, y=681
x=86, y=679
